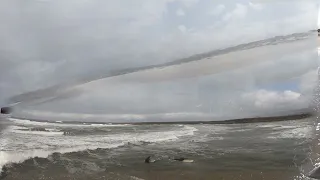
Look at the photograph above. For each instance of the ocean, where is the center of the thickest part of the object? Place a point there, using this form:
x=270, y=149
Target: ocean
x=41, y=150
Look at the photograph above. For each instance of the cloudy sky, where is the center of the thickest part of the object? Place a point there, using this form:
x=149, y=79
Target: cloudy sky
x=44, y=42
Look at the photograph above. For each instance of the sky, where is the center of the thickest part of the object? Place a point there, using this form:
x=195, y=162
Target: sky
x=46, y=42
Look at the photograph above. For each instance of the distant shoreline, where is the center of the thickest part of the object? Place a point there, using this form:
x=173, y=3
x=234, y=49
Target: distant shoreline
x=231, y=121
x=240, y=121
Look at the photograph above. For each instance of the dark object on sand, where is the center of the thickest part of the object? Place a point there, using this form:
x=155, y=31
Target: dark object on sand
x=6, y=110
x=315, y=173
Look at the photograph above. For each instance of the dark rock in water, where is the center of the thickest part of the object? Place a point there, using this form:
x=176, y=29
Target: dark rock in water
x=315, y=173
x=179, y=159
x=4, y=172
x=6, y=110
x=183, y=160
x=67, y=133
x=149, y=160
x=55, y=156
x=38, y=129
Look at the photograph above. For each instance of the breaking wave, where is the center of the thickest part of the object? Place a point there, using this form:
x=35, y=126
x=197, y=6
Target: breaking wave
x=63, y=124
x=21, y=143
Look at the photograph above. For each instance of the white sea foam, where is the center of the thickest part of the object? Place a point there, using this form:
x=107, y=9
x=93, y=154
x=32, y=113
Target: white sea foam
x=28, y=122
x=318, y=127
x=109, y=125
x=18, y=157
x=44, y=133
x=267, y=125
x=294, y=133
x=22, y=144
x=215, y=129
x=24, y=130
x=61, y=124
x=135, y=178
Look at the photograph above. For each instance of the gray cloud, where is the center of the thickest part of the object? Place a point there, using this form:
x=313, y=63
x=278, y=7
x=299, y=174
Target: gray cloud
x=198, y=65
x=48, y=42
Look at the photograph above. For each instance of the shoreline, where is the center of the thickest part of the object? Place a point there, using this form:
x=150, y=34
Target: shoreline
x=241, y=120
x=229, y=121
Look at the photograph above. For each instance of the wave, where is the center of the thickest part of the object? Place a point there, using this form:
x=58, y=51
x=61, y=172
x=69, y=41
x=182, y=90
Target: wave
x=28, y=122
x=27, y=142
x=19, y=157
x=296, y=133
x=62, y=124
x=44, y=133
x=110, y=125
